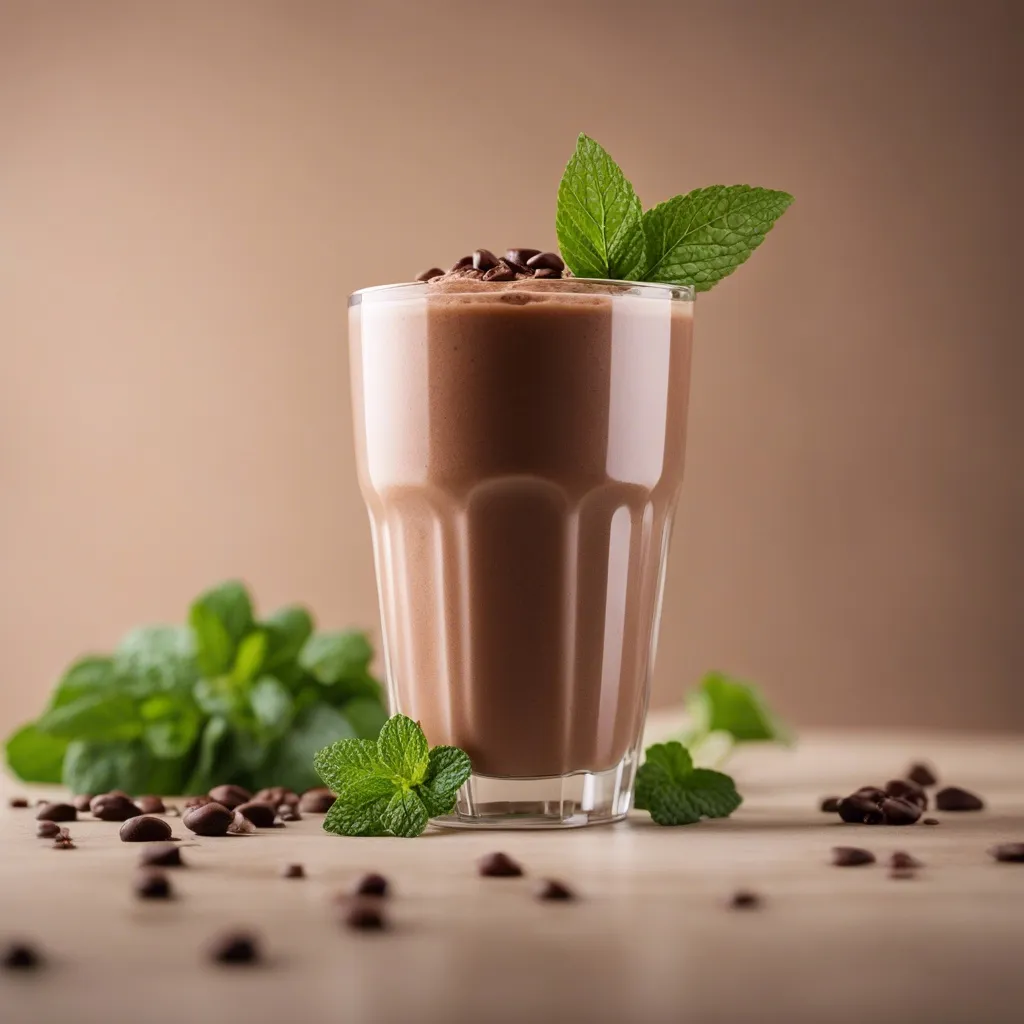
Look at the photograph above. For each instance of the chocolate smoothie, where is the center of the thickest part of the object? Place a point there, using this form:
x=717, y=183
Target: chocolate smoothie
x=520, y=449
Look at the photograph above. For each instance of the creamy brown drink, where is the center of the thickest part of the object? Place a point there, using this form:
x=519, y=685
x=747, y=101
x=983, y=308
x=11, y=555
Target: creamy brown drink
x=520, y=447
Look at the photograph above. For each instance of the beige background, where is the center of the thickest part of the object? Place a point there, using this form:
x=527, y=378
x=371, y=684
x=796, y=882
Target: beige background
x=188, y=191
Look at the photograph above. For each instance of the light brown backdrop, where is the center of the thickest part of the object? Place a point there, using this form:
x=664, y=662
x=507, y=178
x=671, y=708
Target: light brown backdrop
x=188, y=191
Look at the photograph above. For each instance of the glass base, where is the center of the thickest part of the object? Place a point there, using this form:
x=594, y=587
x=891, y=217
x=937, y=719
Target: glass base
x=558, y=801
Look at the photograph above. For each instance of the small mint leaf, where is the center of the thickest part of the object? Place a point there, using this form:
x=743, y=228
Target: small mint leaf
x=359, y=808
x=402, y=749
x=676, y=793
x=599, y=217
x=448, y=769
x=346, y=761
x=404, y=816
x=699, y=238
x=723, y=704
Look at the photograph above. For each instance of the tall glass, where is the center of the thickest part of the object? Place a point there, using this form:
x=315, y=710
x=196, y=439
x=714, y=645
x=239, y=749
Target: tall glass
x=520, y=451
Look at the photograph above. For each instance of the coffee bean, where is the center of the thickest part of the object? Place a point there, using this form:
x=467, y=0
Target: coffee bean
x=21, y=956
x=896, y=811
x=1008, y=853
x=57, y=812
x=860, y=810
x=162, y=855
x=316, y=801
x=901, y=861
x=501, y=271
x=47, y=829
x=113, y=807
x=871, y=793
x=922, y=774
x=153, y=885
x=64, y=842
x=908, y=790
x=471, y=275
x=499, y=865
x=293, y=871
x=261, y=815
x=851, y=856
x=230, y=796
x=484, y=260
x=210, y=819
x=196, y=801
x=552, y=889
x=240, y=825
x=744, y=899
x=830, y=804
x=276, y=796
x=151, y=805
x=952, y=798
x=82, y=801
x=462, y=263
x=287, y=812
x=519, y=268
x=144, y=829
x=17, y=802
x=521, y=255
x=428, y=274
x=546, y=273
x=236, y=948
x=365, y=915
x=370, y=885
x=546, y=261
x=929, y=821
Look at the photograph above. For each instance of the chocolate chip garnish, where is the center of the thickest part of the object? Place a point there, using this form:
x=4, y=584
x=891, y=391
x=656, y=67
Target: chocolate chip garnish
x=896, y=811
x=426, y=275
x=57, y=812
x=17, y=802
x=929, y=821
x=922, y=774
x=830, y=804
x=293, y=871
x=144, y=829
x=744, y=899
x=230, y=796
x=153, y=885
x=48, y=829
x=163, y=855
x=260, y=814
x=907, y=789
x=902, y=861
x=860, y=810
x=365, y=915
x=151, y=805
x=1008, y=853
x=82, y=801
x=287, y=812
x=552, y=889
x=499, y=865
x=546, y=261
x=851, y=856
x=316, y=801
x=371, y=884
x=501, y=271
x=21, y=956
x=520, y=256
x=210, y=819
x=113, y=807
x=236, y=948
x=484, y=260
x=952, y=798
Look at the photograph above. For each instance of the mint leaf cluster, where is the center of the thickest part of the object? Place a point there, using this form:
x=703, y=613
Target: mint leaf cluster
x=733, y=709
x=393, y=786
x=694, y=239
x=676, y=793
x=229, y=697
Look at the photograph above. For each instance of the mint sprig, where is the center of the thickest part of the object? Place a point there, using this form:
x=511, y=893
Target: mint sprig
x=391, y=786
x=694, y=239
x=731, y=709
x=676, y=793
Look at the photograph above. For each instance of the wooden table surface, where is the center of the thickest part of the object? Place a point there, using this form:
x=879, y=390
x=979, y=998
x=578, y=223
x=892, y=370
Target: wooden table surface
x=652, y=938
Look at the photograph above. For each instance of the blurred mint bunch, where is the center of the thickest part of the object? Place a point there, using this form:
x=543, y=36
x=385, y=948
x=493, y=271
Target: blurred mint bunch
x=226, y=698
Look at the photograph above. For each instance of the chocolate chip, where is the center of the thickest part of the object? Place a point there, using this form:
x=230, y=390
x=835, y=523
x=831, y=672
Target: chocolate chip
x=952, y=798
x=17, y=802
x=370, y=885
x=47, y=829
x=151, y=805
x=830, y=804
x=501, y=271
x=860, y=810
x=196, y=801
x=922, y=774
x=57, y=812
x=520, y=256
x=908, y=790
x=428, y=274
x=230, y=796
x=21, y=956
x=462, y=263
x=484, y=260
x=547, y=273
x=546, y=261
x=113, y=807
x=902, y=861
x=144, y=829
x=236, y=948
x=293, y=871
x=260, y=814
x=1008, y=853
x=499, y=865
x=929, y=821
x=851, y=856
x=896, y=811
x=210, y=819
x=316, y=801
x=744, y=899
x=552, y=889
x=287, y=812
x=62, y=840
x=153, y=885
x=82, y=801
x=365, y=915
x=163, y=855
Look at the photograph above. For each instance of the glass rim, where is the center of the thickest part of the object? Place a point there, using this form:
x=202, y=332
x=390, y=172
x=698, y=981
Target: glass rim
x=641, y=289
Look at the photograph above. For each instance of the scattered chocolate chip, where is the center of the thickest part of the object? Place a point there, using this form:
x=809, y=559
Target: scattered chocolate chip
x=830, y=804
x=48, y=829
x=293, y=871
x=365, y=915
x=57, y=812
x=851, y=856
x=546, y=272
x=902, y=861
x=63, y=841
x=17, y=802
x=370, y=885
x=237, y=948
x=922, y=774
x=162, y=855
x=952, y=798
x=316, y=801
x=499, y=865
x=744, y=899
x=151, y=805
x=896, y=811
x=287, y=812
x=428, y=274
x=484, y=260
x=260, y=814
x=552, y=889
x=20, y=956
x=907, y=789
x=860, y=810
x=546, y=261
x=520, y=256
x=240, y=825
x=153, y=885
x=82, y=801
x=210, y=819
x=197, y=801
x=929, y=821
x=1008, y=853
x=144, y=829
x=230, y=796
x=113, y=807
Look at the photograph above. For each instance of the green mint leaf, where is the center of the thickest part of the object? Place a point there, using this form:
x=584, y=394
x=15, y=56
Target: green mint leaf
x=367, y=716
x=599, y=217
x=347, y=761
x=334, y=657
x=676, y=793
x=35, y=756
x=249, y=658
x=95, y=716
x=220, y=618
x=405, y=816
x=154, y=659
x=448, y=769
x=87, y=676
x=360, y=807
x=204, y=775
x=287, y=631
x=170, y=725
x=91, y=767
x=699, y=238
x=723, y=704
x=290, y=761
x=271, y=704
x=402, y=749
